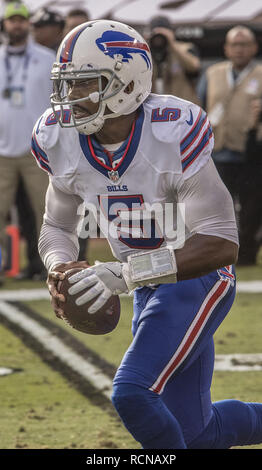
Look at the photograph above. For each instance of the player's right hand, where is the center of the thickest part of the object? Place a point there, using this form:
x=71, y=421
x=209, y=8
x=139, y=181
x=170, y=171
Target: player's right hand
x=56, y=275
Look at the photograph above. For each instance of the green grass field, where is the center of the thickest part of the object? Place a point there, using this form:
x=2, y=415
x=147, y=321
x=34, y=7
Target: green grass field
x=41, y=409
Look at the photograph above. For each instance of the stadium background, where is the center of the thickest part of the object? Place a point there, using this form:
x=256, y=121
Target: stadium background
x=56, y=382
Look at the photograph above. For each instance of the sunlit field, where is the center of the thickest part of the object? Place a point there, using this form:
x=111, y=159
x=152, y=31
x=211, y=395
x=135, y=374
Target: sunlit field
x=43, y=407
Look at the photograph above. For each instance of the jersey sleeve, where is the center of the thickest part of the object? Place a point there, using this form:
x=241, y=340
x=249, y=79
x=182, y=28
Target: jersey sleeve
x=209, y=206
x=197, y=140
x=38, y=148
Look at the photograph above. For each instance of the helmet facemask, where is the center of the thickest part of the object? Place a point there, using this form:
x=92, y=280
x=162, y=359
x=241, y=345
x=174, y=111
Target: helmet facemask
x=64, y=77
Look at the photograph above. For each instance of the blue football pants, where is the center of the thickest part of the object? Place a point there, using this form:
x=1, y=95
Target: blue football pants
x=161, y=390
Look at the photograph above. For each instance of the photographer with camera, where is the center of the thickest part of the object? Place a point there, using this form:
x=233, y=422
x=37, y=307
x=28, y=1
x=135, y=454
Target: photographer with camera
x=227, y=90
x=176, y=63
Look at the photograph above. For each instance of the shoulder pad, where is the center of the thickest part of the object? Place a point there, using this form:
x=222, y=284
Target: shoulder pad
x=44, y=138
x=165, y=113
x=55, y=148
x=47, y=129
x=185, y=126
x=196, y=141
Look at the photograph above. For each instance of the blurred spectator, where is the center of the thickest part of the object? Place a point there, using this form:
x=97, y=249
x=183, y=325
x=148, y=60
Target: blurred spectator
x=251, y=210
x=47, y=28
x=25, y=69
x=176, y=63
x=226, y=91
x=28, y=232
x=74, y=18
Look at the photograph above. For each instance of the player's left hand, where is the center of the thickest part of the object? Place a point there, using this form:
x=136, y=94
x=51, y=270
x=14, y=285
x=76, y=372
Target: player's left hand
x=56, y=275
x=103, y=280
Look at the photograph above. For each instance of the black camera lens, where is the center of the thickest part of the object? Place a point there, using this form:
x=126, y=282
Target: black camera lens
x=158, y=45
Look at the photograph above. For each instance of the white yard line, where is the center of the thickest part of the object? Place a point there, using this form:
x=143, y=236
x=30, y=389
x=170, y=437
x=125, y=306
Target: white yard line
x=238, y=362
x=248, y=287
x=51, y=343
x=231, y=362
x=6, y=371
x=24, y=294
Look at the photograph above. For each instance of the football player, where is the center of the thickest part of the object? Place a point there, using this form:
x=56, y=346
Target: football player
x=110, y=143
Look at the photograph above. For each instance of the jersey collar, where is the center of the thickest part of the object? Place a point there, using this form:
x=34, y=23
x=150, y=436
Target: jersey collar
x=128, y=155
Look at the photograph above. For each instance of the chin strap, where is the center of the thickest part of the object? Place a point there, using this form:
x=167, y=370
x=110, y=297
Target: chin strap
x=91, y=127
x=95, y=125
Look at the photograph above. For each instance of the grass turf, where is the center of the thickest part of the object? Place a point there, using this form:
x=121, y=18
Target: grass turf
x=41, y=409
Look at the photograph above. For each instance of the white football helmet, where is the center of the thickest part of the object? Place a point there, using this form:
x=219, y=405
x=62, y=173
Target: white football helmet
x=97, y=49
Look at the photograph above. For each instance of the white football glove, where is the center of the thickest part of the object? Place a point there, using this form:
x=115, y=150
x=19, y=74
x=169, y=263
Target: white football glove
x=103, y=279
x=114, y=278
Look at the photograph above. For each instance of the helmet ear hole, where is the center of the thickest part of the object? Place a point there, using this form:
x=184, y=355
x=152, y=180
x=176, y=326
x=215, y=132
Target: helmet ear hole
x=129, y=88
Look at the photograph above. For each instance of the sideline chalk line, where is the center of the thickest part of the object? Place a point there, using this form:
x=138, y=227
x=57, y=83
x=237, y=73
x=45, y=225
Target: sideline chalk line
x=248, y=287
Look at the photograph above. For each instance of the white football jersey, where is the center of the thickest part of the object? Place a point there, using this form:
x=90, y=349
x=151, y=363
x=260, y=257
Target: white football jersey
x=171, y=141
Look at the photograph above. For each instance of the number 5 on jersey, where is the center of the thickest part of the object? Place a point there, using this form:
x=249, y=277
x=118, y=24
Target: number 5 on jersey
x=130, y=222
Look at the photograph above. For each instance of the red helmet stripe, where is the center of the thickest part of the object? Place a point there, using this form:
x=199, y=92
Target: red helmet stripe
x=69, y=44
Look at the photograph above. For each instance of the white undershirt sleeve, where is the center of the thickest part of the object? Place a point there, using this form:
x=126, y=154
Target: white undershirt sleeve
x=58, y=241
x=209, y=206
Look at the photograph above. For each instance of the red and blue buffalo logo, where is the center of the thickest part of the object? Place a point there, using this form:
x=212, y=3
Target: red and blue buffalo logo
x=227, y=274
x=113, y=43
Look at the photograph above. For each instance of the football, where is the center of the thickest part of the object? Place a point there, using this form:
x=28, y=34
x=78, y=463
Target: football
x=101, y=322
